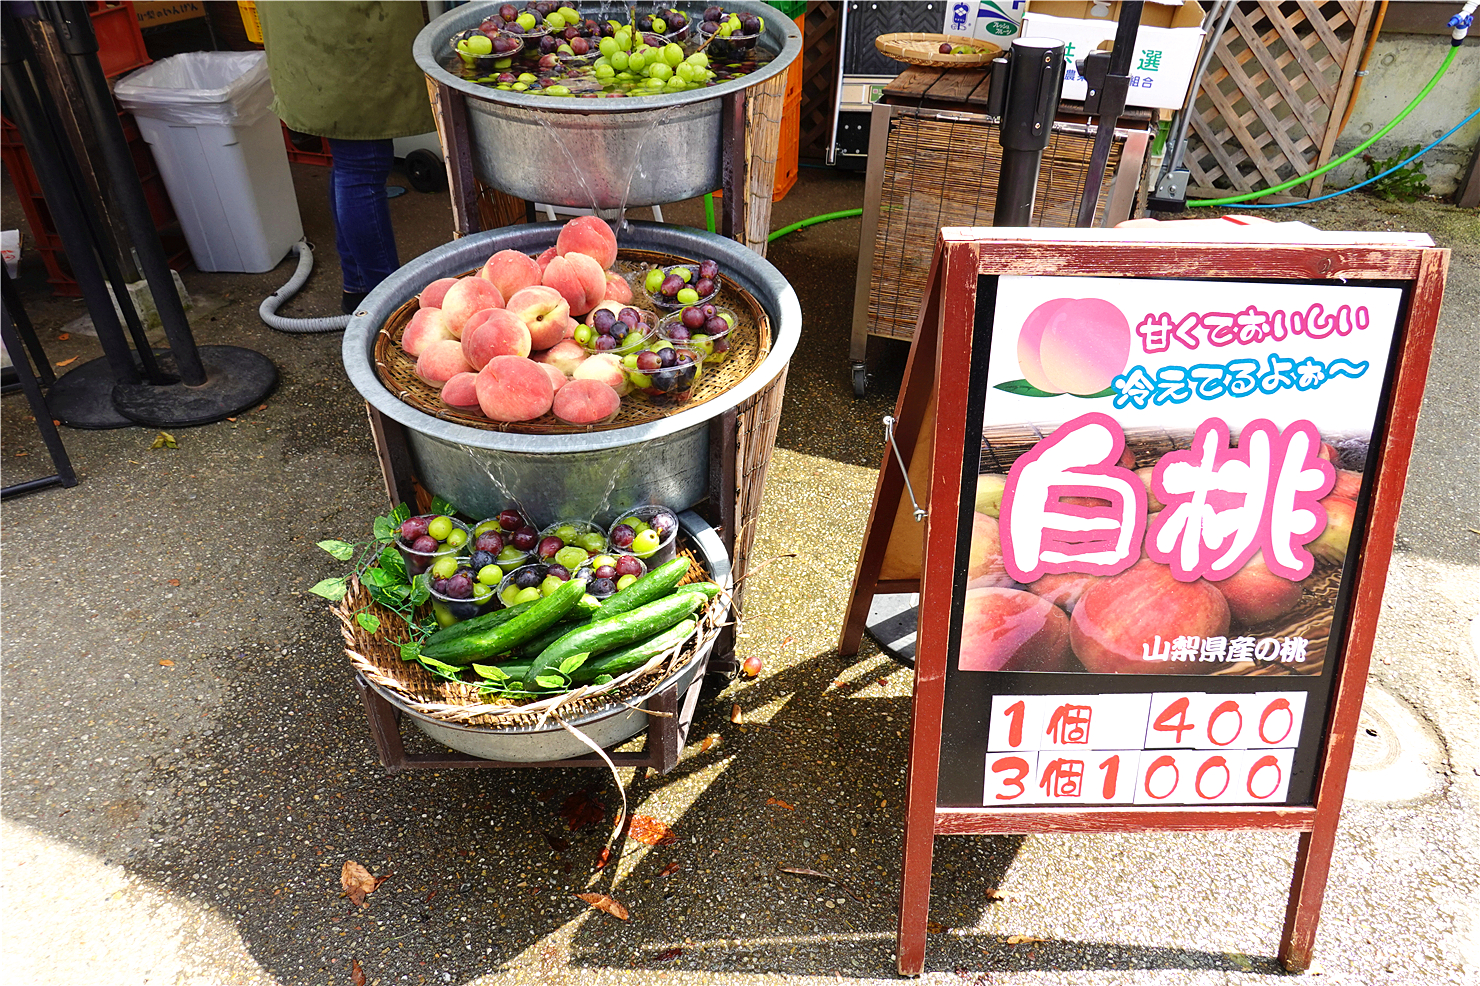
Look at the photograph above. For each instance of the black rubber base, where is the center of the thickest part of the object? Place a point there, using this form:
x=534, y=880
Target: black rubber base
x=893, y=618
x=236, y=378
x=83, y=398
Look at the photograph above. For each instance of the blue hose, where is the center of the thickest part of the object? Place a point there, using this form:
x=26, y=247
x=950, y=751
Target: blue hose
x=1353, y=188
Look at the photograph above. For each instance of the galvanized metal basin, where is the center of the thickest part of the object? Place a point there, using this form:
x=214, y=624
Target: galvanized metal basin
x=598, y=153
x=605, y=727
x=593, y=475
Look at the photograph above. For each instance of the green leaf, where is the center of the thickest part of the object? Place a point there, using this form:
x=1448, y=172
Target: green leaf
x=400, y=515
x=569, y=665
x=393, y=564
x=603, y=679
x=442, y=506
x=369, y=621
x=339, y=549
x=1023, y=388
x=410, y=651
x=551, y=681
x=385, y=531
x=376, y=578
x=331, y=589
x=490, y=672
x=421, y=589
x=1107, y=392
x=439, y=669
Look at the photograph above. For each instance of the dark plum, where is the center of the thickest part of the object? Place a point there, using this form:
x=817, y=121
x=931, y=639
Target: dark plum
x=603, y=587
x=525, y=538
x=529, y=576
x=510, y=520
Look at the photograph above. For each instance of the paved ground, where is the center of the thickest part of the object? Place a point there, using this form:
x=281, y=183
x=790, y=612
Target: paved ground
x=186, y=766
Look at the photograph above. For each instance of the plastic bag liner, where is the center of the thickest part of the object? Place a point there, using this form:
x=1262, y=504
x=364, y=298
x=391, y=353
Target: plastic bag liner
x=200, y=88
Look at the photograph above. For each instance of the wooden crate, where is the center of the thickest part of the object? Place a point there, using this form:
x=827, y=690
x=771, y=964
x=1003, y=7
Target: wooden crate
x=1274, y=94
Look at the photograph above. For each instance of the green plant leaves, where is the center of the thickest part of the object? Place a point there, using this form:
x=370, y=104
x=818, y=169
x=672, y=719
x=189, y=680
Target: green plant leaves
x=342, y=550
x=369, y=622
x=569, y=665
x=421, y=589
x=551, y=681
x=331, y=589
x=490, y=672
x=410, y=651
x=1023, y=388
x=393, y=564
x=441, y=506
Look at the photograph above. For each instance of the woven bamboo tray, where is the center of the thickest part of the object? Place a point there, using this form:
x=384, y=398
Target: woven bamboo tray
x=377, y=657
x=1311, y=617
x=924, y=50
x=750, y=342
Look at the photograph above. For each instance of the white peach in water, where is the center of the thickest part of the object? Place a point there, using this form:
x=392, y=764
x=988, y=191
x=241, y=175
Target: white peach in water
x=1074, y=346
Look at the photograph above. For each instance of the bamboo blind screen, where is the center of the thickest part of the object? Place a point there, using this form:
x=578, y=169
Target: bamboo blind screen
x=943, y=172
x=1277, y=86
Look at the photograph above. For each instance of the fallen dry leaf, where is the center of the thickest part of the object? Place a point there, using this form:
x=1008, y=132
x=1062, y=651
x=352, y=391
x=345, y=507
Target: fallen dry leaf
x=166, y=663
x=708, y=742
x=779, y=803
x=1023, y=939
x=63, y=336
x=936, y=928
x=603, y=857
x=668, y=870
x=544, y=796
x=557, y=843
x=65, y=362
x=651, y=832
x=356, y=974
x=668, y=956
x=737, y=714
x=580, y=810
x=604, y=903
x=788, y=641
x=358, y=882
x=803, y=871
x=174, y=581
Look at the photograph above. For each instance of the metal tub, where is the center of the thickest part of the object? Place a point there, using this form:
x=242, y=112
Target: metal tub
x=598, y=153
x=593, y=475
x=605, y=727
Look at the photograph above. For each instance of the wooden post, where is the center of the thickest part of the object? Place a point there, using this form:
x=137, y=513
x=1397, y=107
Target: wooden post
x=450, y=111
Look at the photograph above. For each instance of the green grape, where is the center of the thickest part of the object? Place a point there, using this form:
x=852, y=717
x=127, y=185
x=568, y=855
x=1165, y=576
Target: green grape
x=698, y=59
x=570, y=14
x=571, y=556
x=444, y=568
x=526, y=20
x=654, y=280
x=651, y=83
x=640, y=380
x=621, y=61
x=590, y=541
x=684, y=72
x=604, y=72
x=601, y=560
x=490, y=575
x=625, y=581
x=564, y=50
x=526, y=595
x=528, y=77
x=660, y=72
x=725, y=30
x=557, y=91
x=673, y=54
x=440, y=527
x=510, y=595
x=630, y=361
x=457, y=537
x=684, y=274
x=481, y=592
x=554, y=21
x=631, y=342
x=550, y=584
x=608, y=47
x=660, y=26
x=687, y=296
x=491, y=524
x=478, y=44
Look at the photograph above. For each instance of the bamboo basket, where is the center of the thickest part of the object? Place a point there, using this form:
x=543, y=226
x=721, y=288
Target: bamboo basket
x=924, y=50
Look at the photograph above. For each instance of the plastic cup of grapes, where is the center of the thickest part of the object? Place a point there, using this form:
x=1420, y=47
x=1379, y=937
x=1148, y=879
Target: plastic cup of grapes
x=664, y=373
x=704, y=327
x=508, y=540
x=671, y=288
x=460, y=592
x=428, y=537
x=625, y=330
x=649, y=532
x=534, y=581
x=571, y=543
x=613, y=572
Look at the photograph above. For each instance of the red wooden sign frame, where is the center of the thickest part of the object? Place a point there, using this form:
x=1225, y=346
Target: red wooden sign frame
x=940, y=365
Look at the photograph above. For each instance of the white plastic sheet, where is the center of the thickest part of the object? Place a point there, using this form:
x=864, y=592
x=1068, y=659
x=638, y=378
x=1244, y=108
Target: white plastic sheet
x=200, y=88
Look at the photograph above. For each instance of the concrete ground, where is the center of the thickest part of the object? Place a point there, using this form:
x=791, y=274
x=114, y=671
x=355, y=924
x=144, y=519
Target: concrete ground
x=186, y=766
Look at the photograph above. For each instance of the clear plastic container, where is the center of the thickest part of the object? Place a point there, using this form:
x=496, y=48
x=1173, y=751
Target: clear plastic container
x=667, y=548
x=595, y=586
x=669, y=304
x=576, y=533
x=419, y=561
x=716, y=346
x=670, y=384
x=524, y=578
x=451, y=609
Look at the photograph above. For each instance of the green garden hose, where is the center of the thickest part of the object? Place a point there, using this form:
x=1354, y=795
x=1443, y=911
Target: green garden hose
x=845, y=214
x=1234, y=199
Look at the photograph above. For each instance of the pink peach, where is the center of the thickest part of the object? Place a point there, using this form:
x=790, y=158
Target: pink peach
x=591, y=236
x=513, y=388
x=1116, y=622
x=1332, y=544
x=467, y=297
x=586, y=402
x=1074, y=345
x=543, y=260
x=984, y=567
x=494, y=332
x=440, y=361
x=461, y=392
x=1012, y=630
x=510, y=271
x=432, y=295
x=1256, y=595
x=565, y=356
x=544, y=311
x=578, y=279
x=427, y=326
x=557, y=379
x=605, y=367
x=1348, y=484
x=617, y=288
x=1065, y=589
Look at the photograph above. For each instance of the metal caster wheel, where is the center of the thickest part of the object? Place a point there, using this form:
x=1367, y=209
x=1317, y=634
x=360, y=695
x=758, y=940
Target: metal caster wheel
x=425, y=171
x=860, y=380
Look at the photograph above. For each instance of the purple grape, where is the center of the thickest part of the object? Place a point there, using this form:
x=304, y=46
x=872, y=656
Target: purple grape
x=513, y=28
x=604, y=344
x=693, y=317
x=479, y=559
x=704, y=286
x=529, y=577
x=414, y=528
x=716, y=326
x=525, y=538
x=672, y=284
x=712, y=14
x=548, y=44
x=645, y=22
x=663, y=522
x=439, y=586
x=708, y=27
x=668, y=355
x=654, y=40
x=559, y=571
x=622, y=535
x=678, y=333
x=602, y=587
x=460, y=586
x=629, y=315
x=425, y=545
x=605, y=572
x=602, y=320
x=720, y=344
x=709, y=269
x=647, y=362
x=489, y=541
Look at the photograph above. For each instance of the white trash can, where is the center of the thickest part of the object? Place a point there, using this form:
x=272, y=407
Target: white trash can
x=220, y=151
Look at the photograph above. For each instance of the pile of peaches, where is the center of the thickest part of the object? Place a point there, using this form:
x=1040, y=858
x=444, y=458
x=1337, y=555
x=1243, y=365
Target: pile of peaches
x=500, y=342
x=1105, y=623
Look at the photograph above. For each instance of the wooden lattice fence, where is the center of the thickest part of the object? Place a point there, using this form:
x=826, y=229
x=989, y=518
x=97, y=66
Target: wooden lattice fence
x=1271, y=101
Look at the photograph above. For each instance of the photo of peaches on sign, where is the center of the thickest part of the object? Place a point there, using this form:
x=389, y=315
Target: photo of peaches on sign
x=1191, y=512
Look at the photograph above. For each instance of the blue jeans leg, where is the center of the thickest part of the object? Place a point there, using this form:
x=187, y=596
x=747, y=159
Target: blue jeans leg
x=362, y=219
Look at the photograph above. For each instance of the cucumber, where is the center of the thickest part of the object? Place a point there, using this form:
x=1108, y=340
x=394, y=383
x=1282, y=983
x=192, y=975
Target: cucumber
x=619, y=662
x=478, y=623
x=541, y=615
x=531, y=648
x=709, y=589
x=654, y=585
x=618, y=631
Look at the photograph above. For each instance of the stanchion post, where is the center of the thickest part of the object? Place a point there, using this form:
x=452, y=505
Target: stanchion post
x=1025, y=95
